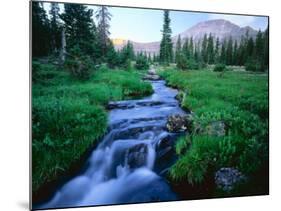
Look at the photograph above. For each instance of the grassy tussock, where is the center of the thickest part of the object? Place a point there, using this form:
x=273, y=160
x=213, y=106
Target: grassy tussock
x=69, y=116
x=240, y=99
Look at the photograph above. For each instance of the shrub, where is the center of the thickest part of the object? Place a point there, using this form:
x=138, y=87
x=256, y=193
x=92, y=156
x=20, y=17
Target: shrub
x=219, y=68
x=78, y=64
x=192, y=64
x=254, y=65
x=182, y=144
x=141, y=63
x=182, y=62
x=36, y=67
x=195, y=163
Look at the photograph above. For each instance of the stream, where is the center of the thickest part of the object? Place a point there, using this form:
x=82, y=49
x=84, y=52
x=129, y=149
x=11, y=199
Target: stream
x=130, y=163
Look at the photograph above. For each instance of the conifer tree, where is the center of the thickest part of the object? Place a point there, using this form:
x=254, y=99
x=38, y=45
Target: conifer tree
x=217, y=50
x=210, y=50
x=235, y=53
x=229, y=51
x=103, y=16
x=204, y=52
x=223, y=52
x=185, y=48
x=166, y=45
x=191, y=47
x=55, y=27
x=178, y=49
x=40, y=31
x=266, y=48
x=79, y=27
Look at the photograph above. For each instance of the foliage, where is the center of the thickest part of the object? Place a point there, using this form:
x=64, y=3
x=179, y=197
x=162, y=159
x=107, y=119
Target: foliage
x=182, y=144
x=194, y=164
x=79, y=28
x=219, y=68
x=182, y=62
x=78, y=64
x=40, y=31
x=240, y=100
x=166, y=45
x=192, y=64
x=62, y=130
x=103, y=16
x=254, y=65
x=68, y=115
x=141, y=63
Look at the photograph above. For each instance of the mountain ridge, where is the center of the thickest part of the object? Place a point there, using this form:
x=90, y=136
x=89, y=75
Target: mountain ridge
x=220, y=28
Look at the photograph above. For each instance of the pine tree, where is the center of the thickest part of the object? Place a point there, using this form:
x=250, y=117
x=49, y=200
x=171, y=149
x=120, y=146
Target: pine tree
x=112, y=56
x=79, y=27
x=210, y=50
x=241, y=54
x=204, y=52
x=223, y=52
x=250, y=48
x=235, y=53
x=229, y=51
x=217, y=50
x=191, y=47
x=259, y=45
x=55, y=27
x=41, y=40
x=178, y=49
x=185, y=49
x=127, y=54
x=166, y=45
x=266, y=48
x=103, y=16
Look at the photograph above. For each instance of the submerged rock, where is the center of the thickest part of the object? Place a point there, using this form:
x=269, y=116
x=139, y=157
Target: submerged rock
x=179, y=123
x=151, y=77
x=227, y=178
x=137, y=156
x=151, y=72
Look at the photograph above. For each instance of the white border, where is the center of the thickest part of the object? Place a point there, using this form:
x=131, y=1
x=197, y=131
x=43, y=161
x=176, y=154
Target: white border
x=14, y=86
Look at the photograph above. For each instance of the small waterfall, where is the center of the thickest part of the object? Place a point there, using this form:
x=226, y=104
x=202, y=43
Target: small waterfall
x=124, y=167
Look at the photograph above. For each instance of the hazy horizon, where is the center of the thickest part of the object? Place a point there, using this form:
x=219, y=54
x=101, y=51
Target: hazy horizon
x=144, y=25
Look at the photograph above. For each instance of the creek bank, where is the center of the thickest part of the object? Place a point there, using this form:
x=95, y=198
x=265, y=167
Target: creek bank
x=131, y=162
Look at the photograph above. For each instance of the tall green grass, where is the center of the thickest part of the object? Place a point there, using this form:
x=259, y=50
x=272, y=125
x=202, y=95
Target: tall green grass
x=240, y=99
x=69, y=115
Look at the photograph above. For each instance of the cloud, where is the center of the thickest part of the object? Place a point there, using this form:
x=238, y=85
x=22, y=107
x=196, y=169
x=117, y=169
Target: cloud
x=240, y=20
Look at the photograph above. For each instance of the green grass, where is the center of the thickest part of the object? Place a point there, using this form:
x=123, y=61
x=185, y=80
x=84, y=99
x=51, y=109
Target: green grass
x=240, y=99
x=69, y=115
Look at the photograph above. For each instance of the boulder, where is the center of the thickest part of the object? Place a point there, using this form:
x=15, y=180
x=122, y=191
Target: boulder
x=151, y=72
x=164, y=146
x=137, y=156
x=227, y=178
x=179, y=123
x=151, y=77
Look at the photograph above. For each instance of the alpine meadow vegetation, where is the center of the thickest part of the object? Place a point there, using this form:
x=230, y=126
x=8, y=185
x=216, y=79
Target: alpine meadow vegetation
x=77, y=70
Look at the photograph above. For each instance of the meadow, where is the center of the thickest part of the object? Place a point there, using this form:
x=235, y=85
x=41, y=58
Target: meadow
x=69, y=115
x=239, y=100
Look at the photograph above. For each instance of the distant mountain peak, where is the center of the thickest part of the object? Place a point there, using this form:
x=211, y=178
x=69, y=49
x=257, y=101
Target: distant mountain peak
x=219, y=28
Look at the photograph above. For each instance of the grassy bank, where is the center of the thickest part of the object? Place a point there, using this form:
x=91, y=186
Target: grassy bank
x=240, y=100
x=69, y=116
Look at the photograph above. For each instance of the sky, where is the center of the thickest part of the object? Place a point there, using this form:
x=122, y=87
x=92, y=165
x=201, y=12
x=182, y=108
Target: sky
x=144, y=25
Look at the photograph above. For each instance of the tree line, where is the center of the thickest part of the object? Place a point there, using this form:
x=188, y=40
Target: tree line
x=80, y=43
x=188, y=54
x=75, y=36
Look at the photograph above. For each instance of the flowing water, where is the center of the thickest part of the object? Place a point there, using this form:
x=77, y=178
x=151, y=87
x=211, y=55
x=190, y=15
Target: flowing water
x=129, y=164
